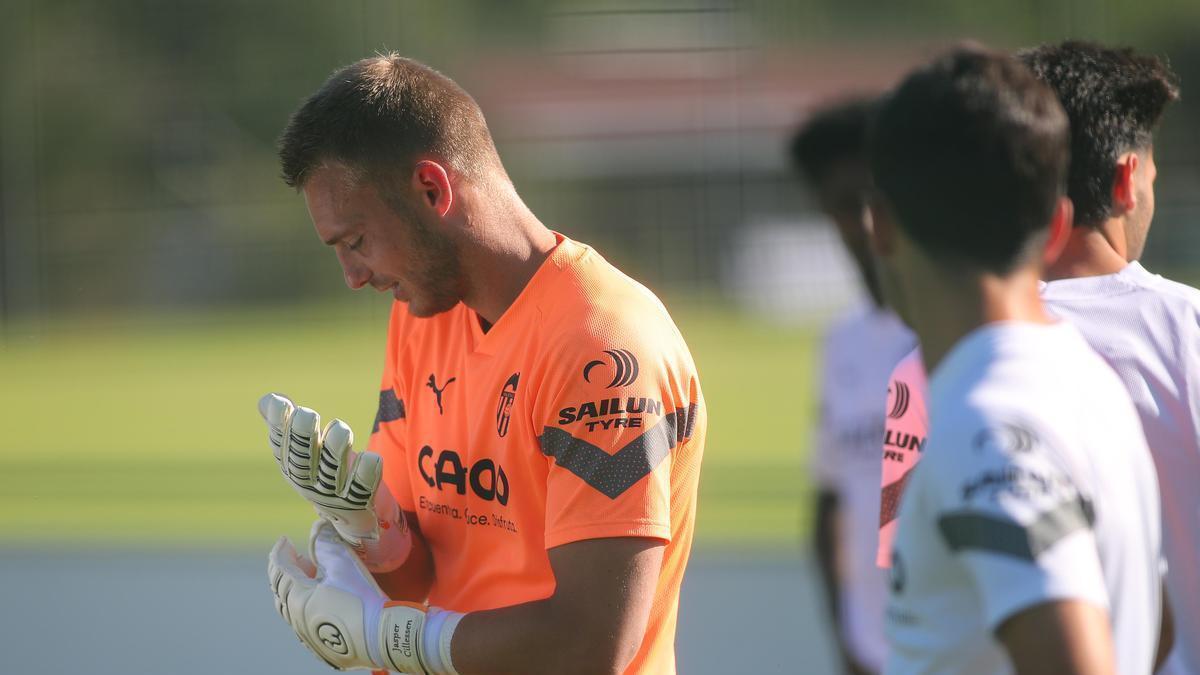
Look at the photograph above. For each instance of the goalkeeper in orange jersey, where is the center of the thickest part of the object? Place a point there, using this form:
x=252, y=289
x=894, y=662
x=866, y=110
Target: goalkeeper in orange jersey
x=540, y=428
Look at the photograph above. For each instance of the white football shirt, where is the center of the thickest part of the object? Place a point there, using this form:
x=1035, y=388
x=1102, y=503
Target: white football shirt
x=859, y=353
x=1148, y=329
x=1035, y=485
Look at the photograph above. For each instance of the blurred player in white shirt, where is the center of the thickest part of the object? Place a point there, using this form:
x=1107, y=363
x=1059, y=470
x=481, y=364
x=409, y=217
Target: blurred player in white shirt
x=1146, y=327
x=1028, y=536
x=858, y=353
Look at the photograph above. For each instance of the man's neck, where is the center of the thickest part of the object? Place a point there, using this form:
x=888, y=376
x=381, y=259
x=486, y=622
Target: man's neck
x=1091, y=251
x=959, y=305
x=509, y=247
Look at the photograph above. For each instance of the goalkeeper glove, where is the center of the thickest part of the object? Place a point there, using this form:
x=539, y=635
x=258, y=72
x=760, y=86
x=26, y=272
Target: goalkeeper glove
x=343, y=485
x=338, y=611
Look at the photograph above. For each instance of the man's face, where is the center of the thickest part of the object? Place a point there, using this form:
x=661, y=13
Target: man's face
x=1137, y=225
x=841, y=194
x=389, y=246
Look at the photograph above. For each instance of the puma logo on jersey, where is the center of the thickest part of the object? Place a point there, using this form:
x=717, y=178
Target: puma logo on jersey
x=432, y=384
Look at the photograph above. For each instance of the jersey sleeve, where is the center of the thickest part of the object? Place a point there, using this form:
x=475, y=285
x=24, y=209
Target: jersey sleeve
x=824, y=461
x=1017, y=522
x=387, y=434
x=610, y=413
x=905, y=428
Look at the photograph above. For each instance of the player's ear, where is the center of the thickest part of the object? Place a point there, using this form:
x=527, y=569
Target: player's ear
x=431, y=182
x=1124, y=195
x=881, y=226
x=1060, y=230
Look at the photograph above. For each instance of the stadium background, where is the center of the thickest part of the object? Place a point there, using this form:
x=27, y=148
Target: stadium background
x=156, y=277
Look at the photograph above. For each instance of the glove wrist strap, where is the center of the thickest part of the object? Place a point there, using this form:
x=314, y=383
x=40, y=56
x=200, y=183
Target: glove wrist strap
x=435, y=644
x=413, y=640
x=401, y=629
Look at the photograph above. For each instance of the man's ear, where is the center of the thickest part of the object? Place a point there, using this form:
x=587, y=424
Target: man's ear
x=881, y=227
x=432, y=185
x=1124, y=194
x=1060, y=230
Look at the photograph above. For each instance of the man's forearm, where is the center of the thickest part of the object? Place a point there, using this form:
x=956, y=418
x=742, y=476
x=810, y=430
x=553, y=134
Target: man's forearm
x=594, y=622
x=1166, y=631
x=825, y=549
x=1059, y=637
x=534, y=637
x=410, y=581
x=544, y=636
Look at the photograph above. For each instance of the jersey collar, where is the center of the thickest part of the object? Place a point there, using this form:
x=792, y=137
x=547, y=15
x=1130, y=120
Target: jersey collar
x=1131, y=277
x=524, y=311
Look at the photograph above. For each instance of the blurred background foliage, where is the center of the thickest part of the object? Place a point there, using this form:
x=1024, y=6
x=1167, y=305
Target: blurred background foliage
x=157, y=276
x=138, y=137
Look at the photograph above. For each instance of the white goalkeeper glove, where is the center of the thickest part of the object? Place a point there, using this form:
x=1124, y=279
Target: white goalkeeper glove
x=338, y=611
x=343, y=485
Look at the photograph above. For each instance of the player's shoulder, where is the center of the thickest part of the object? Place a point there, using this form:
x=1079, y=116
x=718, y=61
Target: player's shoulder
x=1045, y=380
x=602, y=335
x=1181, y=301
x=849, y=319
x=866, y=327
x=911, y=369
x=907, y=390
x=1134, y=286
x=592, y=303
x=1009, y=371
x=848, y=325
x=589, y=283
x=978, y=441
x=1138, y=275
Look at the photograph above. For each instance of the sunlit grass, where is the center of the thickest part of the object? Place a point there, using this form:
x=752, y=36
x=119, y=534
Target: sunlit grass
x=144, y=430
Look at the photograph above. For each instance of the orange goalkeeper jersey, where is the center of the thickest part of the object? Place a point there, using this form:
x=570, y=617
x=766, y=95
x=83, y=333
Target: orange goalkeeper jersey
x=577, y=416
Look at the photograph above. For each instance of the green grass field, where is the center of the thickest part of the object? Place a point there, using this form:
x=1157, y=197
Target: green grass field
x=143, y=431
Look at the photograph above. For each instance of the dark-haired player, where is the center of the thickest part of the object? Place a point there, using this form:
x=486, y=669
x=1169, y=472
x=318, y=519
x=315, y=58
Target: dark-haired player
x=1146, y=327
x=859, y=351
x=1028, y=535
x=540, y=424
